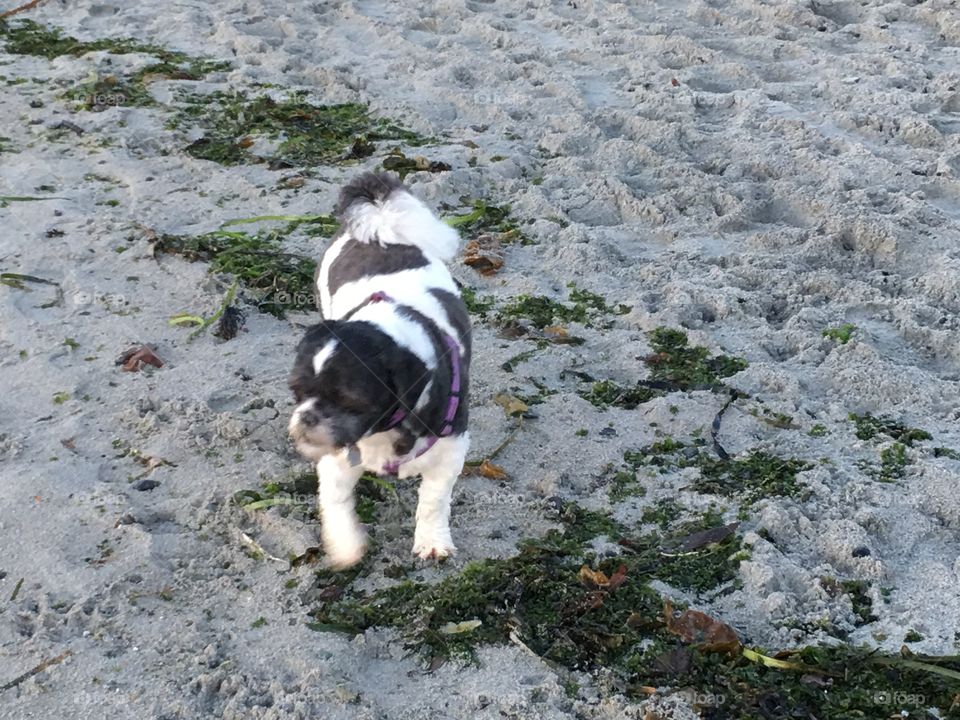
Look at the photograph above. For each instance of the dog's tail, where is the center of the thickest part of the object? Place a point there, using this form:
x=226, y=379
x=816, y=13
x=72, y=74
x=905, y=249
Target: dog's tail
x=377, y=207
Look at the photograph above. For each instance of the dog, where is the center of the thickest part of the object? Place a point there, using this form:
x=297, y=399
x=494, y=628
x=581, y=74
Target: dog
x=381, y=384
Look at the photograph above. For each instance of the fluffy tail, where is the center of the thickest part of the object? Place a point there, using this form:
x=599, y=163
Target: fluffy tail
x=377, y=207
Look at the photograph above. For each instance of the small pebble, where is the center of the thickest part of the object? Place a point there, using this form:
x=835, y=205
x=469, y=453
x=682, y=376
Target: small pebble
x=146, y=484
x=861, y=551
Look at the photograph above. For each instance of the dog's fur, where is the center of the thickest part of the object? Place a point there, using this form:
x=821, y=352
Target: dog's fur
x=368, y=358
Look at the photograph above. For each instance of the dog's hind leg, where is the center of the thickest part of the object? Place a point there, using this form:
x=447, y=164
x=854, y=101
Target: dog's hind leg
x=432, y=537
x=344, y=539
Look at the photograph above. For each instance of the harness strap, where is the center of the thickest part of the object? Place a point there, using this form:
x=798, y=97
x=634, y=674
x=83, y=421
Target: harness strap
x=400, y=414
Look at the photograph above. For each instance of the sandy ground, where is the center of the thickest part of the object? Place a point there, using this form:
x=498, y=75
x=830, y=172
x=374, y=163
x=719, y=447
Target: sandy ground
x=751, y=171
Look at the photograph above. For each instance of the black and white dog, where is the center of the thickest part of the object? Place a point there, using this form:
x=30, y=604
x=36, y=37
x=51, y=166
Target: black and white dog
x=381, y=383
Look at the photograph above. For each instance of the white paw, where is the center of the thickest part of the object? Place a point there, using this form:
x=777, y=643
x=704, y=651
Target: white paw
x=436, y=547
x=345, y=548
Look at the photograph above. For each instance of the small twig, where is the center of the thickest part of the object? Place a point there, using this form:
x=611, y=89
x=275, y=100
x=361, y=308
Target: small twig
x=16, y=590
x=20, y=9
x=715, y=427
x=500, y=448
x=36, y=671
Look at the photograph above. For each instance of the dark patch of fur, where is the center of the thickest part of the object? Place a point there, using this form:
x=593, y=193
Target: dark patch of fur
x=362, y=383
x=359, y=260
x=368, y=188
x=431, y=418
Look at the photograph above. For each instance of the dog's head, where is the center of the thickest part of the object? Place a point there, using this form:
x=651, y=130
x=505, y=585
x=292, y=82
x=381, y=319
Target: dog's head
x=347, y=381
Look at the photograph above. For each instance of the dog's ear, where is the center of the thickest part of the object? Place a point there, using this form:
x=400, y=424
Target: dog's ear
x=318, y=334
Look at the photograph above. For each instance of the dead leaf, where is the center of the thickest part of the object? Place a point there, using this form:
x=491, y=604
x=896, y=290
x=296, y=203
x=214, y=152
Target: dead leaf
x=511, y=405
x=460, y=627
x=599, y=579
x=617, y=579
x=69, y=444
x=593, y=578
x=245, y=142
x=512, y=331
x=484, y=254
x=674, y=82
x=296, y=181
x=490, y=471
x=134, y=359
x=675, y=661
x=700, y=539
x=701, y=630
x=556, y=331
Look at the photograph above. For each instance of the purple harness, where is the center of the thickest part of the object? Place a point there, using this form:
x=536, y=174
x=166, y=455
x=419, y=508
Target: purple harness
x=392, y=467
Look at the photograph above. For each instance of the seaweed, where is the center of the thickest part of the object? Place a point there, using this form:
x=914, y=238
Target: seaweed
x=27, y=37
x=279, y=280
x=840, y=334
x=674, y=361
x=558, y=600
x=868, y=427
x=584, y=307
x=488, y=218
x=307, y=133
x=606, y=393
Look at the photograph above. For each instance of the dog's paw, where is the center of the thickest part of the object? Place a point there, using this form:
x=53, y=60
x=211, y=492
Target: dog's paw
x=345, y=550
x=434, y=548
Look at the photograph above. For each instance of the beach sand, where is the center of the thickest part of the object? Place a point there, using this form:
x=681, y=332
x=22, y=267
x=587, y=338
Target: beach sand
x=752, y=173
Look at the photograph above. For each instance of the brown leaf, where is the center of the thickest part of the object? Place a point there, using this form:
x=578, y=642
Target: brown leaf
x=512, y=331
x=701, y=630
x=245, y=142
x=134, y=358
x=511, y=405
x=488, y=470
x=674, y=82
x=675, y=661
x=556, y=331
x=69, y=444
x=618, y=578
x=484, y=254
x=593, y=578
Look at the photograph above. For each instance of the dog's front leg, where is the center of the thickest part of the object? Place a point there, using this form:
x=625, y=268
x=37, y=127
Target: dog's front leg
x=432, y=537
x=343, y=537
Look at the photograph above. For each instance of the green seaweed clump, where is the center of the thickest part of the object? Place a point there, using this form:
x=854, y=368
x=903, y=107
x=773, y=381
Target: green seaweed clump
x=674, y=361
x=753, y=477
x=475, y=304
x=585, y=308
x=592, y=615
x=487, y=218
x=541, y=595
x=840, y=334
x=606, y=393
x=750, y=477
x=30, y=38
x=892, y=466
x=281, y=281
x=867, y=427
x=308, y=134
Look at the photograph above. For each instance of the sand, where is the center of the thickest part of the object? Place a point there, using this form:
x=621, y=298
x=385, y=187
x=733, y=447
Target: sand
x=751, y=172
